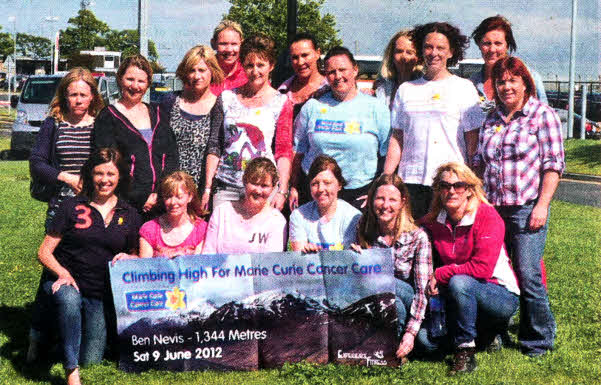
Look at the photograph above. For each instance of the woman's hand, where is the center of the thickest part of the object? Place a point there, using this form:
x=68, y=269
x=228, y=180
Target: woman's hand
x=150, y=202
x=356, y=248
x=310, y=248
x=72, y=180
x=433, y=286
x=293, y=199
x=538, y=216
x=204, y=201
x=122, y=257
x=66, y=279
x=278, y=201
x=406, y=345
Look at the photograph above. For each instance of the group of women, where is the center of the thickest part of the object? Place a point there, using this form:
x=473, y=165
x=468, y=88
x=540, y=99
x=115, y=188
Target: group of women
x=231, y=144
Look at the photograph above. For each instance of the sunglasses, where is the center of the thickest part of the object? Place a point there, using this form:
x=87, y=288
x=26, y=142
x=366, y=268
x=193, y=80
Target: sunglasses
x=458, y=186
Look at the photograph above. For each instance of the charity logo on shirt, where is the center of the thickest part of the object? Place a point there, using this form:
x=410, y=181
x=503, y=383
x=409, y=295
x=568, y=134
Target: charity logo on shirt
x=337, y=126
x=331, y=246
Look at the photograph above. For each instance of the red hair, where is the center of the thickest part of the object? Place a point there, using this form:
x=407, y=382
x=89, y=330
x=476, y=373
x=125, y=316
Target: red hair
x=515, y=67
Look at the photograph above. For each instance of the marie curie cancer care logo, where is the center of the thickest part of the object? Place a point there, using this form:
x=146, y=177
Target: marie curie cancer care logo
x=152, y=300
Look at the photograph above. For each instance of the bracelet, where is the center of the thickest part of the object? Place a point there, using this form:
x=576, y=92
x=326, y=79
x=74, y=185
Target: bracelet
x=208, y=190
x=284, y=193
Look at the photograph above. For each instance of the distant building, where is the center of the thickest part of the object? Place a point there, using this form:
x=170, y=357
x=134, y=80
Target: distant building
x=103, y=60
x=30, y=66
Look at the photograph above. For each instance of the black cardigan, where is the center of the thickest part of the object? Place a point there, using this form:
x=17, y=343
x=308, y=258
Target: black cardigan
x=148, y=163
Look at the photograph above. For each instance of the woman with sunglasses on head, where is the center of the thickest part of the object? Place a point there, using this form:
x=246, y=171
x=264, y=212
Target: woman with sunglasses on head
x=435, y=119
x=388, y=223
x=522, y=157
x=472, y=270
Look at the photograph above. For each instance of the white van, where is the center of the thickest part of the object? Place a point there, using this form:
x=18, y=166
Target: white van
x=32, y=108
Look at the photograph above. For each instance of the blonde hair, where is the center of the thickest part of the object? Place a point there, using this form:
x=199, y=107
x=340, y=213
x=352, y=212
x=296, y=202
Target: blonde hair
x=464, y=174
x=59, y=106
x=172, y=183
x=193, y=57
x=388, y=69
x=368, y=229
x=222, y=26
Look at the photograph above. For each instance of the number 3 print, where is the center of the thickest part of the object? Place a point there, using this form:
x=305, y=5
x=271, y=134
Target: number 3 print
x=83, y=214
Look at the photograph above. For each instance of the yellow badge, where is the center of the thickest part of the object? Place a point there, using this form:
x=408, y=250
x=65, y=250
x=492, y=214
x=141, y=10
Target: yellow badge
x=436, y=96
x=120, y=221
x=323, y=110
x=175, y=299
x=498, y=128
x=258, y=112
x=352, y=127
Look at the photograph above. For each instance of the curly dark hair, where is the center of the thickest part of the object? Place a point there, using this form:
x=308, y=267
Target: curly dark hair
x=457, y=42
x=260, y=45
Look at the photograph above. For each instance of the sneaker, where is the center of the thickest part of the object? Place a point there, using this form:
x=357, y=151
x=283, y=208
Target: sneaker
x=464, y=361
x=495, y=345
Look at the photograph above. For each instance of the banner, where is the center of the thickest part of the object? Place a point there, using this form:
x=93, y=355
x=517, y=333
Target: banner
x=252, y=311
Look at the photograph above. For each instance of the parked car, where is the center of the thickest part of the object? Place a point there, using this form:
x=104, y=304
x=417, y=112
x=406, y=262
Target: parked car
x=592, y=128
x=32, y=108
x=108, y=88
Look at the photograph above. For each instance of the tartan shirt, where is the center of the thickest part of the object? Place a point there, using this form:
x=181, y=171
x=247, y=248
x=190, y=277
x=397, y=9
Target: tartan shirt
x=517, y=153
x=412, y=260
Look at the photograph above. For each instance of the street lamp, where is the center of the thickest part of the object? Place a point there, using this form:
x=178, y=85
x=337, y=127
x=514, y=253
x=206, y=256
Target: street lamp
x=52, y=19
x=12, y=19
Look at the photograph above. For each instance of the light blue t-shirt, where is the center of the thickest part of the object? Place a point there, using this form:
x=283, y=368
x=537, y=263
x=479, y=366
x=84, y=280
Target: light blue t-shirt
x=354, y=133
x=336, y=234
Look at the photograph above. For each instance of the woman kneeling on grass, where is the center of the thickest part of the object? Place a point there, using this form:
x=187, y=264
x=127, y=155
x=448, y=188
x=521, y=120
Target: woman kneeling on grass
x=473, y=271
x=388, y=223
x=249, y=225
x=86, y=232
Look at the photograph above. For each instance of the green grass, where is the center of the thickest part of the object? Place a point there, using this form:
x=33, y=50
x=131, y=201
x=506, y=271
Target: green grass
x=4, y=143
x=573, y=262
x=583, y=156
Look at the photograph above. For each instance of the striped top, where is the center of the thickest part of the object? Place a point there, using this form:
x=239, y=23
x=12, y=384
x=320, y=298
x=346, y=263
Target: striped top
x=73, y=146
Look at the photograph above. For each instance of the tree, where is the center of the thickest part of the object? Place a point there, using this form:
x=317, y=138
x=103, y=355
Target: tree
x=128, y=43
x=6, y=44
x=269, y=17
x=33, y=46
x=85, y=33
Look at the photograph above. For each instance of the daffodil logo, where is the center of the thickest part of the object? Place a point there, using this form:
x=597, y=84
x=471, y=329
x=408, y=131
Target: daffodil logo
x=258, y=112
x=352, y=127
x=323, y=110
x=498, y=128
x=436, y=96
x=176, y=299
x=120, y=221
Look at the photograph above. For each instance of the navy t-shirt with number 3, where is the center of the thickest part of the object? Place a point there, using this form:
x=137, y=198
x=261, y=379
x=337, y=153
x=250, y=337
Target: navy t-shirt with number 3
x=87, y=244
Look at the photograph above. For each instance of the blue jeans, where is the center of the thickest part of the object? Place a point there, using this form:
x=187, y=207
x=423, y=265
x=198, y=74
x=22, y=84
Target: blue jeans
x=526, y=248
x=81, y=325
x=471, y=299
x=404, y=299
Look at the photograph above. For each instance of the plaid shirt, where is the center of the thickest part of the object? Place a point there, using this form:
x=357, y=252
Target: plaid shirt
x=518, y=152
x=413, y=258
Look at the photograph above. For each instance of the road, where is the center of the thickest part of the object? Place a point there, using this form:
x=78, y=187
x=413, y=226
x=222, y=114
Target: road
x=579, y=192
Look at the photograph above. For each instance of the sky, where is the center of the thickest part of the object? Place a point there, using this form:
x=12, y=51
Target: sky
x=541, y=27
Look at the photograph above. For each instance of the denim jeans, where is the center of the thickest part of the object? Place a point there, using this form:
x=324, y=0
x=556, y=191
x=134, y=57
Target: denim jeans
x=81, y=325
x=471, y=299
x=404, y=299
x=526, y=248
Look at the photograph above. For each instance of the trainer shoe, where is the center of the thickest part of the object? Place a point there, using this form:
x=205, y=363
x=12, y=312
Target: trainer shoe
x=464, y=361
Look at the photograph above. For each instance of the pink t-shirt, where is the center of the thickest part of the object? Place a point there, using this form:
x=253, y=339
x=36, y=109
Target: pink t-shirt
x=151, y=232
x=229, y=233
